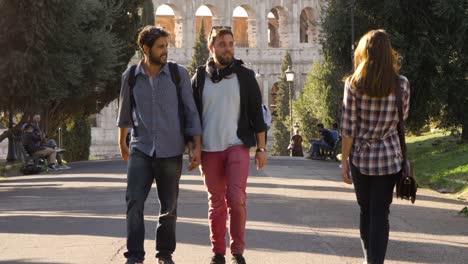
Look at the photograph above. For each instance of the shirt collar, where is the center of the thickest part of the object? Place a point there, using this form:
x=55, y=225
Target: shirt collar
x=140, y=70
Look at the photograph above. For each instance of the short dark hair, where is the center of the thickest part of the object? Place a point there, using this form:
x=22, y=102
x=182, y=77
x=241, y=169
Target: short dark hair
x=335, y=126
x=320, y=125
x=219, y=31
x=28, y=126
x=149, y=34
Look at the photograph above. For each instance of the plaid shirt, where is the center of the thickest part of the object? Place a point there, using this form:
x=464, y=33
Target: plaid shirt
x=372, y=123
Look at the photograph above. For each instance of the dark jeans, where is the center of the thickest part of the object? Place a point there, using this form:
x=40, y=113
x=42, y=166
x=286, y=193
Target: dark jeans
x=374, y=195
x=143, y=170
x=316, y=146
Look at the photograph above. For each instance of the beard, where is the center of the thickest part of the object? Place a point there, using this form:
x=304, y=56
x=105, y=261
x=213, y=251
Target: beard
x=157, y=60
x=226, y=60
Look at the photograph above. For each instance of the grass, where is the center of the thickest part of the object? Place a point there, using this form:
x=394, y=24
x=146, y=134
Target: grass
x=441, y=162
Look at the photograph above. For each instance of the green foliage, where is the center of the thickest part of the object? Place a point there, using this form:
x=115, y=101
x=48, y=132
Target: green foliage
x=319, y=102
x=281, y=122
x=147, y=15
x=200, y=51
x=440, y=161
x=65, y=57
x=433, y=50
x=77, y=139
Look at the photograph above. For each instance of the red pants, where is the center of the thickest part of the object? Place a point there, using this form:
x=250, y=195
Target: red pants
x=225, y=175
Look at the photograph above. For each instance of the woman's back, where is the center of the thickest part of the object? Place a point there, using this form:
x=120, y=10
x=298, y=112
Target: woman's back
x=372, y=122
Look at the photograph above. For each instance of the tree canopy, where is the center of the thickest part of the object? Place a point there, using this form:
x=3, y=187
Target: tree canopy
x=62, y=58
x=430, y=36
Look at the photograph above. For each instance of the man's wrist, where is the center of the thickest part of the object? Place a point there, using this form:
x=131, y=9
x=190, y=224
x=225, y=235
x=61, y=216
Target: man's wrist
x=261, y=149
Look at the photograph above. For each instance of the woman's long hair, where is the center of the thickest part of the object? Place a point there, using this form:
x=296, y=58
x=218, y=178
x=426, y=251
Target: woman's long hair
x=375, y=65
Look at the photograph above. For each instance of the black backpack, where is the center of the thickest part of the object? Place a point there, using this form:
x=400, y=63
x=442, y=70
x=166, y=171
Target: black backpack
x=31, y=166
x=175, y=76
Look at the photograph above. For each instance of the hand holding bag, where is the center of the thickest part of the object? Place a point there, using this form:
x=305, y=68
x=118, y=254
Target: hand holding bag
x=406, y=186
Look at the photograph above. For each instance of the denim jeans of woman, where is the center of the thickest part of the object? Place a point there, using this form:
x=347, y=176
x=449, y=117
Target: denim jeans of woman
x=374, y=195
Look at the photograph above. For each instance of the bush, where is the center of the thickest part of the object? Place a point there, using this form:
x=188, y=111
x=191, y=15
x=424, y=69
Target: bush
x=77, y=139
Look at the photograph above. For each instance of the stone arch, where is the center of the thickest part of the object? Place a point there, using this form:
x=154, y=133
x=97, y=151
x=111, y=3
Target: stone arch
x=308, y=32
x=243, y=25
x=217, y=17
x=172, y=23
x=277, y=27
x=207, y=20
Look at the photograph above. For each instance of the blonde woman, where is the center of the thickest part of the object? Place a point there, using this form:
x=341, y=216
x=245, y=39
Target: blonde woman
x=372, y=157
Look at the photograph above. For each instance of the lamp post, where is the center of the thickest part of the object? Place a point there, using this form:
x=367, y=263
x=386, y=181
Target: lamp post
x=290, y=79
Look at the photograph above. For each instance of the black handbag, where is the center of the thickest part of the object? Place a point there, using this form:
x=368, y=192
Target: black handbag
x=406, y=186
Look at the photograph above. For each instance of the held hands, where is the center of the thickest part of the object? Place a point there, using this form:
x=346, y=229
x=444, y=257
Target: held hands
x=346, y=173
x=194, y=156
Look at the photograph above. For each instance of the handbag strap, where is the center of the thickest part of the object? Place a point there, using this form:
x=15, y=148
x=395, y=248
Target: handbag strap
x=401, y=124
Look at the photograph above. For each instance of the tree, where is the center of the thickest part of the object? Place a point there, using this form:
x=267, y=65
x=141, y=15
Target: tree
x=433, y=51
x=77, y=139
x=453, y=17
x=147, y=14
x=200, y=51
x=65, y=57
x=318, y=101
x=281, y=121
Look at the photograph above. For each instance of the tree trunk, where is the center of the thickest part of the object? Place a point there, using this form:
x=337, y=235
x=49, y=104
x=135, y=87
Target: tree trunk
x=464, y=135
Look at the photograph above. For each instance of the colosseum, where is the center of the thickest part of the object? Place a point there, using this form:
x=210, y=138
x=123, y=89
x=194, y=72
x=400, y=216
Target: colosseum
x=263, y=30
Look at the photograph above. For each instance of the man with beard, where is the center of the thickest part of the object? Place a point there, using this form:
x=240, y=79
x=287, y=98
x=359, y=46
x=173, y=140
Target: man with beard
x=230, y=104
x=150, y=106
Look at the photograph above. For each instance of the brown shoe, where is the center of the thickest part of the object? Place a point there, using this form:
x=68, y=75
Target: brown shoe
x=237, y=259
x=165, y=259
x=218, y=259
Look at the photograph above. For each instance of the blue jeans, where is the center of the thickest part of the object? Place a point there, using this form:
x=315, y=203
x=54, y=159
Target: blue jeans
x=142, y=171
x=316, y=146
x=374, y=195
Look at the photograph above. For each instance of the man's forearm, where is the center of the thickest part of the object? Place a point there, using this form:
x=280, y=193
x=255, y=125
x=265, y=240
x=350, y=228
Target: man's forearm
x=261, y=140
x=197, y=141
x=123, y=131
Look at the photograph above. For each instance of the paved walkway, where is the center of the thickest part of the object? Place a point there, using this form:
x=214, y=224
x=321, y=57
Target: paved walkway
x=299, y=212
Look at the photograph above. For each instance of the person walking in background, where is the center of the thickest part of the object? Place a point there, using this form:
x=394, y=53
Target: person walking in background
x=370, y=143
x=229, y=101
x=151, y=108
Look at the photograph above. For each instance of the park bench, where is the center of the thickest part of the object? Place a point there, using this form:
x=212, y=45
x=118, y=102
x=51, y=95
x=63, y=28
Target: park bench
x=332, y=153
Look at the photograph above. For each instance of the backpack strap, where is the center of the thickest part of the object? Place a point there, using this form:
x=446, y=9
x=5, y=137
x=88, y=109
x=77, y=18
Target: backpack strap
x=175, y=76
x=198, y=91
x=131, y=84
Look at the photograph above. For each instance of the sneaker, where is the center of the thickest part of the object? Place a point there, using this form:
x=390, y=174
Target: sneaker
x=165, y=259
x=52, y=167
x=218, y=259
x=237, y=259
x=63, y=167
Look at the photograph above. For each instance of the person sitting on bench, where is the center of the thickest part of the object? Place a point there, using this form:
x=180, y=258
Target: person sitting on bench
x=47, y=142
x=335, y=132
x=325, y=142
x=32, y=144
